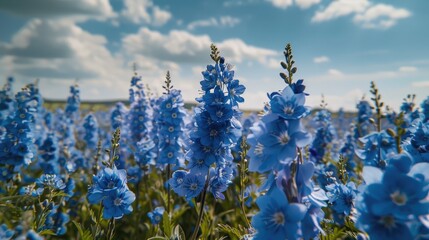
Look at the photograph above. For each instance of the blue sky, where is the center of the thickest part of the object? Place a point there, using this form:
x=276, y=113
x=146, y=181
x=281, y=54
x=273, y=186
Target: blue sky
x=339, y=46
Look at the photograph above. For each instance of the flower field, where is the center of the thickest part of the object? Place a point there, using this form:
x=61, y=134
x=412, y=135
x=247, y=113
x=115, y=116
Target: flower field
x=150, y=168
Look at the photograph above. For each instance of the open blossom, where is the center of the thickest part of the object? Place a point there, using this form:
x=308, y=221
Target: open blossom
x=156, y=215
x=277, y=218
x=110, y=188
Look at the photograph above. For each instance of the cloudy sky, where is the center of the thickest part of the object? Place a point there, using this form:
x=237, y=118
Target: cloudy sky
x=339, y=46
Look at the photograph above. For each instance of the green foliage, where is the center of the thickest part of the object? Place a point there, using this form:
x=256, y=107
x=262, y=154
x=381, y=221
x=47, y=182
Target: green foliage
x=334, y=231
x=233, y=233
x=167, y=225
x=83, y=234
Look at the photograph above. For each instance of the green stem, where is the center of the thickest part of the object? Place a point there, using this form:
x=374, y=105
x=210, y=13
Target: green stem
x=242, y=175
x=97, y=224
x=136, y=227
x=201, y=213
x=111, y=229
x=168, y=189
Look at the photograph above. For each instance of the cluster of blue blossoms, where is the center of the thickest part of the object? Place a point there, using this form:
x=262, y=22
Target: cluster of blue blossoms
x=216, y=130
x=291, y=208
x=170, y=124
x=111, y=189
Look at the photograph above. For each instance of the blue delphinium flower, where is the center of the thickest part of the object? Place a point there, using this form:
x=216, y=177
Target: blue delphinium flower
x=51, y=181
x=5, y=232
x=176, y=182
x=278, y=218
x=425, y=108
x=418, y=142
x=342, y=197
x=289, y=105
x=90, y=131
x=49, y=153
x=73, y=104
x=145, y=153
x=56, y=221
x=110, y=188
x=135, y=174
x=363, y=116
x=324, y=136
x=139, y=117
x=376, y=148
x=117, y=203
x=105, y=181
x=215, y=131
x=274, y=140
x=170, y=127
x=393, y=201
x=156, y=215
x=398, y=195
x=192, y=185
x=117, y=116
x=6, y=101
x=291, y=209
x=348, y=152
x=17, y=142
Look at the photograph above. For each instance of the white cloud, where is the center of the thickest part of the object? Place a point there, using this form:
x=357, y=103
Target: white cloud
x=381, y=16
x=223, y=21
x=60, y=50
x=283, y=4
x=76, y=9
x=273, y=63
x=144, y=11
x=408, y=69
x=229, y=21
x=340, y=8
x=335, y=73
x=365, y=13
x=184, y=47
x=424, y=84
x=160, y=17
x=306, y=3
x=321, y=59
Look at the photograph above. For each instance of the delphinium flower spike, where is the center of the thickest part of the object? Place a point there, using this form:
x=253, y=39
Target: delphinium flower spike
x=215, y=132
x=169, y=117
x=110, y=188
x=291, y=208
x=17, y=147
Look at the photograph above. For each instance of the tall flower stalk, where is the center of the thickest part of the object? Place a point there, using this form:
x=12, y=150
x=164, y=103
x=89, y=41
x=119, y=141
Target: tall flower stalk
x=169, y=118
x=215, y=132
x=291, y=208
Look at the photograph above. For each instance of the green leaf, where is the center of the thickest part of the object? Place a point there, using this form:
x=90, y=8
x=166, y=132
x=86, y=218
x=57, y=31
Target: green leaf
x=92, y=215
x=158, y=238
x=179, y=234
x=178, y=213
x=205, y=226
x=84, y=234
x=166, y=224
x=232, y=232
x=46, y=232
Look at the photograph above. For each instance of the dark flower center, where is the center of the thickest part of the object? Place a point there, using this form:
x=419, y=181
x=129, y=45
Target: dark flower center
x=399, y=198
x=388, y=221
x=193, y=186
x=279, y=218
x=117, y=201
